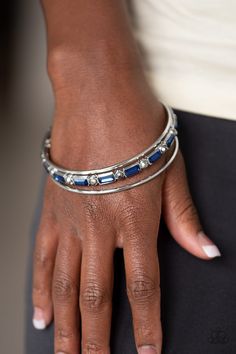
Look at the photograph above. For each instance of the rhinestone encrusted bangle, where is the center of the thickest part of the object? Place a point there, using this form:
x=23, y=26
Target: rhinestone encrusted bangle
x=74, y=181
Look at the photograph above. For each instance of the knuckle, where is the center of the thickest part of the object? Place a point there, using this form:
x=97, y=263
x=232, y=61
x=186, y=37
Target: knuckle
x=186, y=211
x=144, y=331
x=63, y=334
x=92, y=347
x=93, y=210
x=128, y=217
x=142, y=289
x=41, y=292
x=93, y=297
x=63, y=288
x=68, y=213
x=129, y=213
x=41, y=258
x=134, y=234
x=49, y=217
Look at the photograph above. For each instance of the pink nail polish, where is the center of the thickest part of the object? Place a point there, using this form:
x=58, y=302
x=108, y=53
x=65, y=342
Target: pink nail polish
x=38, y=319
x=209, y=248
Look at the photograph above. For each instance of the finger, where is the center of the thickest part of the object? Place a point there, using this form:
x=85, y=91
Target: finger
x=181, y=215
x=96, y=293
x=66, y=295
x=143, y=285
x=44, y=259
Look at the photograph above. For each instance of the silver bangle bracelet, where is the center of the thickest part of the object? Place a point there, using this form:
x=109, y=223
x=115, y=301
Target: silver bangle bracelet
x=126, y=186
x=118, y=171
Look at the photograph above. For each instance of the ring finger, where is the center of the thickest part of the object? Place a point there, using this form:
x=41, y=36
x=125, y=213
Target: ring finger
x=96, y=293
x=66, y=294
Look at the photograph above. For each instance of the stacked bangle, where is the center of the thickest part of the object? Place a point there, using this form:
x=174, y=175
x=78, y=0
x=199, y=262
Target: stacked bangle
x=78, y=181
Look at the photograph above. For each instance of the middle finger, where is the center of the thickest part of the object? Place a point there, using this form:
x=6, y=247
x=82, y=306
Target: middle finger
x=142, y=274
x=96, y=292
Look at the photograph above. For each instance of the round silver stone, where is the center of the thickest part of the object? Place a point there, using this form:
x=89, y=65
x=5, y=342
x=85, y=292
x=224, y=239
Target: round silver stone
x=48, y=143
x=52, y=170
x=92, y=180
x=119, y=174
x=69, y=179
x=173, y=131
x=143, y=163
x=163, y=147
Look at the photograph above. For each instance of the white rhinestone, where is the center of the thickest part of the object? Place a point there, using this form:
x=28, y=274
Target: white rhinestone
x=173, y=131
x=143, y=163
x=119, y=174
x=47, y=143
x=52, y=170
x=163, y=147
x=69, y=179
x=93, y=180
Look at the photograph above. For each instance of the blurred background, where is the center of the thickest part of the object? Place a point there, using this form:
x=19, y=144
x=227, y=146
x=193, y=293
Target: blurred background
x=26, y=107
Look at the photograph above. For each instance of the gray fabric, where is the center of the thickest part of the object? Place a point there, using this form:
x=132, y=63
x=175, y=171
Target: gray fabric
x=198, y=297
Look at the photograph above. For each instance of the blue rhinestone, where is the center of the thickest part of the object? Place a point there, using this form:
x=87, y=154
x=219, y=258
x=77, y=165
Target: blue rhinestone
x=80, y=181
x=169, y=140
x=155, y=156
x=106, y=179
x=130, y=171
x=59, y=178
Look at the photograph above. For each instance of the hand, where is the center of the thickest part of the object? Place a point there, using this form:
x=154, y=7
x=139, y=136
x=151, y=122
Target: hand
x=73, y=270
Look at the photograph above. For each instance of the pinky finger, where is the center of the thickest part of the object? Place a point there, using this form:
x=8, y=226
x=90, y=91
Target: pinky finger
x=44, y=259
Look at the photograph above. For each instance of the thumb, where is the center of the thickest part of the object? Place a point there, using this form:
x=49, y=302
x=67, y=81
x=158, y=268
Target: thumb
x=181, y=216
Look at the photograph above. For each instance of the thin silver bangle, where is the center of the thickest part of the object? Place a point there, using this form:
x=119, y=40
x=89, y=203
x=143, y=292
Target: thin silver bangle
x=127, y=186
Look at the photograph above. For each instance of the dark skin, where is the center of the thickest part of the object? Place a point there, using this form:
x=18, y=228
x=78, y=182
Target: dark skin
x=102, y=99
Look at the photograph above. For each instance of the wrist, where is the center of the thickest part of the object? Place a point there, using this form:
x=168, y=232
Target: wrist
x=102, y=65
x=104, y=138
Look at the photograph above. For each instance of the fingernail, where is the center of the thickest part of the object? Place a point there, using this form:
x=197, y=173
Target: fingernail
x=147, y=349
x=210, y=249
x=38, y=319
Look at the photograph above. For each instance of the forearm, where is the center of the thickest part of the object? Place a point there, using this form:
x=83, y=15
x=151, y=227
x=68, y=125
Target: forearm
x=100, y=88
x=91, y=37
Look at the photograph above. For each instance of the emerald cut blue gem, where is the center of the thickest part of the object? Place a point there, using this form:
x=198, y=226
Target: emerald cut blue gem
x=169, y=140
x=106, y=179
x=80, y=181
x=59, y=178
x=155, y=156
x=133, y=170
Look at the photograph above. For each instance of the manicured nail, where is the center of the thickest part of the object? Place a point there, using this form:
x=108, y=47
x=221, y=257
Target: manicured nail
x=147, y=349
x=210, y=249
x=38, y=319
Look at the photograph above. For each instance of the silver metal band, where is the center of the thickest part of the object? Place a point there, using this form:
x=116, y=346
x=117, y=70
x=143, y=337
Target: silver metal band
x=126, y=186
x=119, y=170
x=73, y=180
